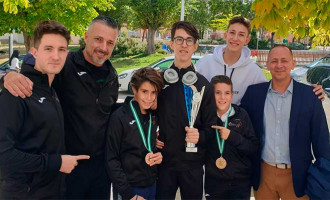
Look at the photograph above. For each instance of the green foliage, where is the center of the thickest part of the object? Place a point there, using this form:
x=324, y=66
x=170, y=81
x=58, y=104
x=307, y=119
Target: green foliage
x=122, y=12
x=197, y=11
x=220, y=8
x=82, y=43
x=151, y=15
x=297, y=46
x=23, y=15
x=222, y=23
x=127, y=46
x=262, y=44
x=300, y=17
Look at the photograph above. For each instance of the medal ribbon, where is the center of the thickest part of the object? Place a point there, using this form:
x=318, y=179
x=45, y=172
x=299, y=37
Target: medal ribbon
x=136, y=117
x=188, y=93
x=221, y=142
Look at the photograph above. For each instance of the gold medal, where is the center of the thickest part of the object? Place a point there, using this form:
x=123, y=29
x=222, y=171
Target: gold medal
x=147, y=159
x=221, y=163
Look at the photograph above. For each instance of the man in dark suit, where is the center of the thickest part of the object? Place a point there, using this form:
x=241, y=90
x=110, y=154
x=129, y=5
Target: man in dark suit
x=288, y=118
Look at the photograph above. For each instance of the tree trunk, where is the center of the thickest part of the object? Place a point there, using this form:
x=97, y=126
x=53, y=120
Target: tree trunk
x=151, y=41
x=143, y=35
x=27, y=41
x=272, y=39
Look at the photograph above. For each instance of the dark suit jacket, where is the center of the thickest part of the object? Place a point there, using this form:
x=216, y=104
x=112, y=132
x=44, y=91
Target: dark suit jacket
x=308, y=126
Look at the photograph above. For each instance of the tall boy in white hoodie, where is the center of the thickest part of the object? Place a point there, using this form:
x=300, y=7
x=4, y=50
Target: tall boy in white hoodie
x=233, y=59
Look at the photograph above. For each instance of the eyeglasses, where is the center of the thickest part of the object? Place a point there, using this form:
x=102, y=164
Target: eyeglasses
x=180, y=40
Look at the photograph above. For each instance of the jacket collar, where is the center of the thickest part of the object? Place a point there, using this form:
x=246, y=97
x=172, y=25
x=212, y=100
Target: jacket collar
x=35, y=76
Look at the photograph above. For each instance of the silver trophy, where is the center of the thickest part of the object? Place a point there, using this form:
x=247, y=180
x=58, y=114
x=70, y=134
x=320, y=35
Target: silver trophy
x=195, y=104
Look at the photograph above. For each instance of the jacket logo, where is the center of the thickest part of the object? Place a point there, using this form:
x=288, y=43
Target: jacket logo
x=81, y=73
x=165, y=86
x=237, y=123
x=41, y=100
x=132, y=122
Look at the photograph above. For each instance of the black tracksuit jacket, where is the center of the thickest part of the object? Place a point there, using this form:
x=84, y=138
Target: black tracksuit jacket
x=31, y=141
x=172, y=114
x=126, y=152
x=239, y=148
x=86, y=106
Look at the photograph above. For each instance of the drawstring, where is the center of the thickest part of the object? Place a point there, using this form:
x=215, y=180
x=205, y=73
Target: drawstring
x=225, y=71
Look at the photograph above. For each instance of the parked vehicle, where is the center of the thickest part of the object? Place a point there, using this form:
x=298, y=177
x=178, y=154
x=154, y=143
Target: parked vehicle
x=162, y=64
x=317, y=72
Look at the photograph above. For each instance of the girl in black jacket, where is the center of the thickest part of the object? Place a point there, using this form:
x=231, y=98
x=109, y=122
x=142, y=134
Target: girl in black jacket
x=229, y=154
x=131, y=138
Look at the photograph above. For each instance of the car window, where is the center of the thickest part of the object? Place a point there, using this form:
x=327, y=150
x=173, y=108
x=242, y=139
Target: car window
x=164, y=65
x=323, y=61
x=152, y=64
x=318, y=75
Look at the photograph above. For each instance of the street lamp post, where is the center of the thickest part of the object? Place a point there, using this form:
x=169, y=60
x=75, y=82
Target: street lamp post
x=182, y=10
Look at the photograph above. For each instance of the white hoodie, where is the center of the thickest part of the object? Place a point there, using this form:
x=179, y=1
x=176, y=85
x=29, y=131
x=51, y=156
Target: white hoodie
x=246, y=72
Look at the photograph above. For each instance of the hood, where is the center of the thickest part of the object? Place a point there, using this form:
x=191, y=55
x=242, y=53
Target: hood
x=243, y=61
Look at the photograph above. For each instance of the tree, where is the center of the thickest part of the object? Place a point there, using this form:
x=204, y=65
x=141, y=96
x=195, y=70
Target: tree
x=300, y=17
x=197, y=11
x=152, y=14
x=122, y=12
x=221, y=24
x=23, y=15
x=220, y=8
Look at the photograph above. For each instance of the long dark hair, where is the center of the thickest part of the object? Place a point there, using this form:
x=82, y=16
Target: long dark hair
x=14, y=55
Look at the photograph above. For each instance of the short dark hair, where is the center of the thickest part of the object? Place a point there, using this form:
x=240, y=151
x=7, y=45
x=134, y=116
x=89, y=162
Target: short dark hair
x=108, y=21
x=147, y=74
x=187, y=26
x=241, y=20
x=281, y=45
x=49, y=27
x=222, y=79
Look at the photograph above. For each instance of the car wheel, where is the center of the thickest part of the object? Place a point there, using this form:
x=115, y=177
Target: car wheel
x=130, y=89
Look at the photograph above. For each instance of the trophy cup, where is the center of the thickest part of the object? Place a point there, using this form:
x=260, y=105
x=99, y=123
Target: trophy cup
x=195, y=104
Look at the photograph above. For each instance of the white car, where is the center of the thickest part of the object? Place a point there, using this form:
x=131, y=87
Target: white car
x=162, y=64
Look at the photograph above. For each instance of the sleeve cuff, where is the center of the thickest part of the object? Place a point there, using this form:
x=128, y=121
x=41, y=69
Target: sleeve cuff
x=54, y=162
x=201, y=140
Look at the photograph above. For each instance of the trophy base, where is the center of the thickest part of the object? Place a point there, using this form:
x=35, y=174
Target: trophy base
x=191, y=149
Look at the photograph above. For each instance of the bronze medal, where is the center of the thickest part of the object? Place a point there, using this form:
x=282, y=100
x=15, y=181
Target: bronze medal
x=147, y=159
x=221, y=163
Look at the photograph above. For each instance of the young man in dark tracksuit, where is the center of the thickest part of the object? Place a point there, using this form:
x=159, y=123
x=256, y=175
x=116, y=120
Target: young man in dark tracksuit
x=235, y=144
x=32, y=129
x=87, y=88
x=128, y=147
x=180, y=168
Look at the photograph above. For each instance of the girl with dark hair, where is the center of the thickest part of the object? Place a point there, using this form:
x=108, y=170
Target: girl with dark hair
x=13, y=61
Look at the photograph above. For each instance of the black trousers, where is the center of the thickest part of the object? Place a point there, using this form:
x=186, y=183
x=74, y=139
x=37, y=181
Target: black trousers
x=190, y=183
x=89, y=180
x=223, y=189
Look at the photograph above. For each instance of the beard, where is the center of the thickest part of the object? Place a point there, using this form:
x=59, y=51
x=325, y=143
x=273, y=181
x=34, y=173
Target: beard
x=95, y=59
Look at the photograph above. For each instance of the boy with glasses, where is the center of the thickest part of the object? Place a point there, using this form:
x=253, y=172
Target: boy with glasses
x=182, y=169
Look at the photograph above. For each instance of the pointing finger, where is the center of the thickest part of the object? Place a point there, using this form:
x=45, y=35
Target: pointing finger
x=82, y=157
